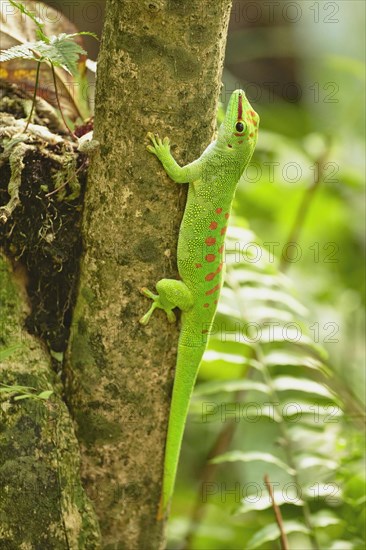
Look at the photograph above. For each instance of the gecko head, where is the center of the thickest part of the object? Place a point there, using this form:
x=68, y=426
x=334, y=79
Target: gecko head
x=239, y=130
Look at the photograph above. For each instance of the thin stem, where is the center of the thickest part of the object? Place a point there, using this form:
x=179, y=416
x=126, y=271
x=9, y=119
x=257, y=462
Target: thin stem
x=65, y=182
x=278, y=515
x=59, y=105
x=302, y=212
x=34, y=97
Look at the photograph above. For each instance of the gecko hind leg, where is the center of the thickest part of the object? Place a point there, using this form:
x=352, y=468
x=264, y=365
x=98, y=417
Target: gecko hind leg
x=171, y=294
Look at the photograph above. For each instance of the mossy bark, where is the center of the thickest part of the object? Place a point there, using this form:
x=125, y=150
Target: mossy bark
x=159, y=70
x=42, y=501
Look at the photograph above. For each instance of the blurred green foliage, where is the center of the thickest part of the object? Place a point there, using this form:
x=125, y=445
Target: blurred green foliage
x=266, y=402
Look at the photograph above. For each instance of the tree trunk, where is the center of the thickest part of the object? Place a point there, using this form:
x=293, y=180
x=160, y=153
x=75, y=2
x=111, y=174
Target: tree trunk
x=159, y=70
x=42, y=501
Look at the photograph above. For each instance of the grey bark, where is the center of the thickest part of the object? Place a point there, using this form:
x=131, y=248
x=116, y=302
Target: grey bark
x=42, y=501
x=159, y=70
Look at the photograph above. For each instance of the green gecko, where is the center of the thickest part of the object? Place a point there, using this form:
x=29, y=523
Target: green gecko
x=212, y=182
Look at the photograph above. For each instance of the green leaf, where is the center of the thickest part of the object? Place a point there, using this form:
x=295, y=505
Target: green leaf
x=318, y=490
x=4, y=353
x=273, y=295
x=272, y=532
x=304, y=462
x=45, y=394
x=290, y=383
x=34, y=18
x=240, y=456
x=24, y=396
x=85, y=33
x=342, y=545
x=61, y=51
x=324, y=518
x=264, y=502
x=7, y=388
x=287, y=357
x=213, y=356
x=58, y=355
x=229, y=386
x=18, y=52
x=332, y=412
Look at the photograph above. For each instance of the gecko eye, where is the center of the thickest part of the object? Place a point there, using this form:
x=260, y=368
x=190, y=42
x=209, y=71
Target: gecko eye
x=239, y=127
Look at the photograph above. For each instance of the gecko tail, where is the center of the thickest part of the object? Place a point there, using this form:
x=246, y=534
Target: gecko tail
x=188, y=361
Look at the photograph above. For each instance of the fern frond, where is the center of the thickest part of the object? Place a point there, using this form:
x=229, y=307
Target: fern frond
x=17, y=52
x=61, y=51
x=35, y=19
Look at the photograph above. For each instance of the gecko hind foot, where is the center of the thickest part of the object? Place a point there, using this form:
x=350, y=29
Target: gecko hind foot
x=156, y=304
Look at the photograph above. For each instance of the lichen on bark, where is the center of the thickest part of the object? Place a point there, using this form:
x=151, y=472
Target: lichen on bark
x=42, y=501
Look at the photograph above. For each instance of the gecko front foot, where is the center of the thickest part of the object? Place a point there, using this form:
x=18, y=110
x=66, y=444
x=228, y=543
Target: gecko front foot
x=156, y=304
x=159, y=147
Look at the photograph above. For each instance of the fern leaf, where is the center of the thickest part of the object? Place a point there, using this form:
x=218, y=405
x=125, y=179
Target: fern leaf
x=61, y=51
x=18, y=52
x=34, y=18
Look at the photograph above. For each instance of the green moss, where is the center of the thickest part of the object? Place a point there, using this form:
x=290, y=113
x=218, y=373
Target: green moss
x=30, y=502
x=9, y=306
x=93, y=427
x=82, y=354
x=88, y=295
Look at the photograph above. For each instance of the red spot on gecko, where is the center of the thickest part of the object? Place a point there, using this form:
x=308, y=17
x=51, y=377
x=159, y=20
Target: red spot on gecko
x=221, y=249
x=215, y=302
x=252, y=113
x=251, y=135
x=210, y=257
x=223, y=230
x=240, y=107
x=213, y=290
x=211, y=275
x=240, y=141
x=213, y=225
x=255, y=122
x=204, y=331
x=227, y=215
x=198, y=266
x=218, y=210
x=206, y=305
x=210, y=241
